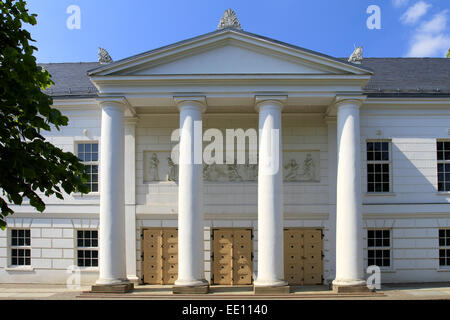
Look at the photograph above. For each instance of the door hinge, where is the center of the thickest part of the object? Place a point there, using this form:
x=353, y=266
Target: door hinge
x=252, y=256
x=142, y=257
x=142, y=235
x=212, y=256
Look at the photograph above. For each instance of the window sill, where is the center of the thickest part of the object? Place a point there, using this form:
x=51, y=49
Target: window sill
x=88, y=195
x=443, y=269
x=387, y=270
x=443, y=193
x=88, y=269
x=20, y=269
x=381, y=194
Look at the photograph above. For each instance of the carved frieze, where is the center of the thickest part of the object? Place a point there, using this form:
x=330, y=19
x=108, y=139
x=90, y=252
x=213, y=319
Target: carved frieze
x=301, y=166
x=159, y=166
x=298, y=166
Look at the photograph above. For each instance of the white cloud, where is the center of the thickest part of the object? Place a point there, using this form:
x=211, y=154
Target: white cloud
x=431, y=38
x=435, y=25
x=428, y=45
x=400, y=3
x=415, y=12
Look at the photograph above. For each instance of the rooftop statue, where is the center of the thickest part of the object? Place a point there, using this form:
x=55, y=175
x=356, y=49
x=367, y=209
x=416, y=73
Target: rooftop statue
x=229, y=20
x=357, y=56
x=103, y=56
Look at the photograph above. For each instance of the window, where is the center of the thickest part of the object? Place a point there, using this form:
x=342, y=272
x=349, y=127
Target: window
x=87, y=248
x=378, y=166
x=444, y=247
x=88, y=154
x=20, y=247
x=443, y=165
x=379, y=248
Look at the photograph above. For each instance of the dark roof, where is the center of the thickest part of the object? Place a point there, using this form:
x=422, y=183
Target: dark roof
x=393, y=77
x=408, y=76
x=71, y=79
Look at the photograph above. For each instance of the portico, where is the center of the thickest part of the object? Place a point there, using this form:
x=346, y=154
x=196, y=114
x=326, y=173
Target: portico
x=228, y=72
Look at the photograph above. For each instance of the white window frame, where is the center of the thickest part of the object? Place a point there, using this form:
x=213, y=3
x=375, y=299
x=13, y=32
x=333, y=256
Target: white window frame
x=445, y=247
x=389, y=162
x=97, y=163
x=438, y=162
x=374, y=248
x=12, y=247
x=77, y=248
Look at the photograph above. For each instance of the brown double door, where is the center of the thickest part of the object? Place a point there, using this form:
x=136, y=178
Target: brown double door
x=232, y=256
x=160, y=255
x=303, y=256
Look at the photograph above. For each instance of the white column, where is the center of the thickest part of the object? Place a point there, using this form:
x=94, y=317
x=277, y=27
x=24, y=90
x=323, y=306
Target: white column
x=190, y=194
x=130, y=198
x=270, y=194
x=112, y=217
x=349, y=252
x=332, y=180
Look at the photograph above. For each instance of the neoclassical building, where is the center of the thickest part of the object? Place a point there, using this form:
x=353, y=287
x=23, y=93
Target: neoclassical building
x=361, y=148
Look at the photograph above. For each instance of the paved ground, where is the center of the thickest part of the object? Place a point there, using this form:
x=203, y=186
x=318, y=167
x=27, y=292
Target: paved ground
x=61, y=292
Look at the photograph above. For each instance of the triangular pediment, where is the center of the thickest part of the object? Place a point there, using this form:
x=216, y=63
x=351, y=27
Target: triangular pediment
x=229, y=52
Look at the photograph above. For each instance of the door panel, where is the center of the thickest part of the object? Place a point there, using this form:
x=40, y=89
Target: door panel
x=293, y=255
x=170, y=256
x=242, y=257
x=223, y=255
x=152, y=262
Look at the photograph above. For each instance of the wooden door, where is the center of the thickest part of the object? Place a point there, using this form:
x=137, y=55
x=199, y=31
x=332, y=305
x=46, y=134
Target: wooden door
x=232, y=256
x=303, y=256
x=160, y=255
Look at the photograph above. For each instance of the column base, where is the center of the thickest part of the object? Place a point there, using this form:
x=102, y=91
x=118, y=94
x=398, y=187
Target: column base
x=180, y=289
x=285, y=289
x=351, y=288
x=133, y=279
x=113, y=288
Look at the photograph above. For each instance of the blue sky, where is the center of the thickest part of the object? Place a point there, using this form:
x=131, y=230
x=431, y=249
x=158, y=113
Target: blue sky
x=124, y=28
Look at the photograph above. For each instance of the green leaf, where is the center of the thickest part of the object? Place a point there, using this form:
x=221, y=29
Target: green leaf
x=27, y=161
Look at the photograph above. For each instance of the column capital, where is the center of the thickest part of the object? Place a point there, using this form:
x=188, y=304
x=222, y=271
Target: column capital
x=342, y=99
x=120, y=101
x=275, y=100
x=198, y=101
x=349, y=98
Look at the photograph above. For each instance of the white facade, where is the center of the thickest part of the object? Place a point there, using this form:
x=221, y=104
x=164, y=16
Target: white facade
x=221, y=78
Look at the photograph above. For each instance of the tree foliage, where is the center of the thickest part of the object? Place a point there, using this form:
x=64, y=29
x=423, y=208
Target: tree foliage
x=30, y=166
